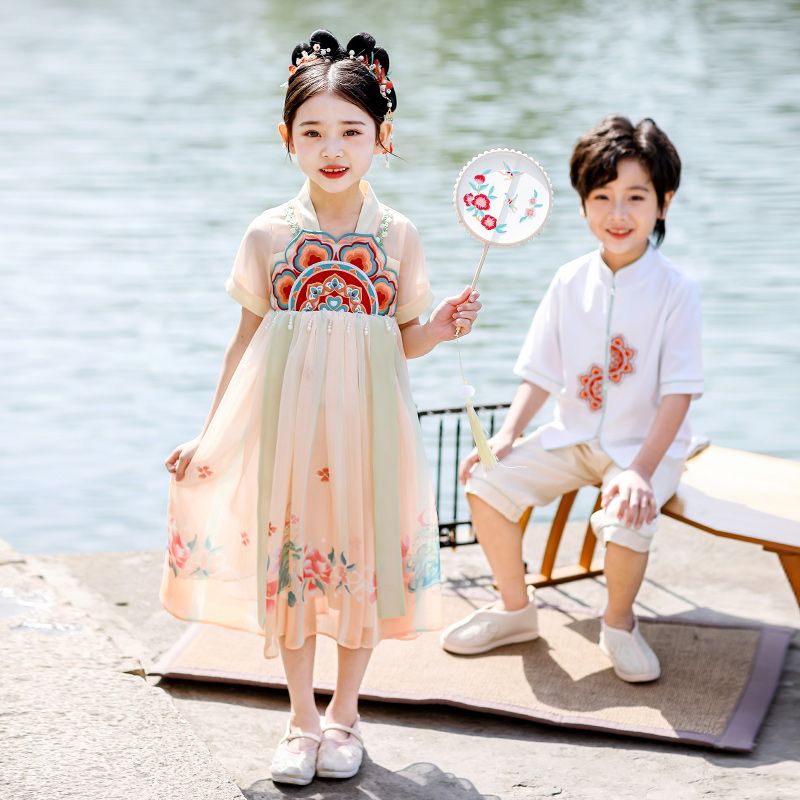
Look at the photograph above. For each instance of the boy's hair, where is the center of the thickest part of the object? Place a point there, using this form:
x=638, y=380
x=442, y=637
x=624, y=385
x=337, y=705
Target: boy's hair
x=346, y=72
x=595, y=157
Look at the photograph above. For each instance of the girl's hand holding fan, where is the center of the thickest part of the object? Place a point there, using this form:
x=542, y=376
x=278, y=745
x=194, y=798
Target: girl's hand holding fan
x=462, y=309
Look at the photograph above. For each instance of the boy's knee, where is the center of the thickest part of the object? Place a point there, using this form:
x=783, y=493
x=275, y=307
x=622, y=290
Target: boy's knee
x=486, y=497
x=612, y=531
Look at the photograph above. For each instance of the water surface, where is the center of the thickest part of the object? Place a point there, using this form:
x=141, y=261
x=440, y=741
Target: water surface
x=137, y=140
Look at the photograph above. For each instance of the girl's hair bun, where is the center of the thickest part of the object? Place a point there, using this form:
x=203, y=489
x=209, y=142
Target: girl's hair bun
x=326, y=42
x=382, y=57
x=303, y=47
x=362, y=44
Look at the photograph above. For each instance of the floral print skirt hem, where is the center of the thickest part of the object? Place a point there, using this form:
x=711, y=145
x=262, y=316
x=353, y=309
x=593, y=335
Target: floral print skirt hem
x=307, y=507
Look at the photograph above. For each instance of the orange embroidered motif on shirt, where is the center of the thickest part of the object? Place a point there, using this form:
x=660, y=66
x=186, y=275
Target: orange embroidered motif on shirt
x=620, y=363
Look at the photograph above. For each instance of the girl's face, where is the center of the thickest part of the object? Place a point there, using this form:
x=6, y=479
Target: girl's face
x=622, y=213
x=334, y=141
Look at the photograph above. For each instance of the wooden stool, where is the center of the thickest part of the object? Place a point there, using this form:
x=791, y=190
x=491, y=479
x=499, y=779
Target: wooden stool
x=730, y=493
x=549, y=574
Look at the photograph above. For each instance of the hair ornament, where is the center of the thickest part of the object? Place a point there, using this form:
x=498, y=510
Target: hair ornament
x=361, y=49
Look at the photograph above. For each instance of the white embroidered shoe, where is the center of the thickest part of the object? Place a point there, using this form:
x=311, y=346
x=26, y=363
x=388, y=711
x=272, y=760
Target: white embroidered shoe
x=633, y=659
x=490, y=627
x=297, y=768
x=337, y=759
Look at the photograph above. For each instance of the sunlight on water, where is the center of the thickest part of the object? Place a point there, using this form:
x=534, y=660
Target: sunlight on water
x=138, y=140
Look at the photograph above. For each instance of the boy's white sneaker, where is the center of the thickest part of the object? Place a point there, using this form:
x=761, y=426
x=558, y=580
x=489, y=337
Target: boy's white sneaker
x=633, y=659
x=490, y=627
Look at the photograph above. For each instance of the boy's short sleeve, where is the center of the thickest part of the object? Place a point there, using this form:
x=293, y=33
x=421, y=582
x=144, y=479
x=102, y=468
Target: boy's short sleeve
x=540, y=360
x=681, y=368
x=414, y=295
x=248, y=282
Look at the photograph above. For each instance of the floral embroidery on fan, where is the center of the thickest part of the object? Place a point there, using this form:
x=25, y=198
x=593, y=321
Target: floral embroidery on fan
x=530, y=211
x=479, y=202
x=324, y=474
x=507, y=172
x=620, y=363
x=245, y=538
x=192, y=559
x=204, y=472
x=350, y=274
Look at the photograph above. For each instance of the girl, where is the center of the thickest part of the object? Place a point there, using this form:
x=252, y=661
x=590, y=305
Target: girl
x=304, y=506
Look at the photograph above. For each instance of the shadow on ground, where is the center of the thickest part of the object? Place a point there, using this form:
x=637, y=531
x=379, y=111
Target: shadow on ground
x=419, y=781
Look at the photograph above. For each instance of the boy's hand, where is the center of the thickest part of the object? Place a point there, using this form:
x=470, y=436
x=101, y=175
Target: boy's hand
x=501, y=444
x=180, y=458
x=635, y=503
x=454, y=312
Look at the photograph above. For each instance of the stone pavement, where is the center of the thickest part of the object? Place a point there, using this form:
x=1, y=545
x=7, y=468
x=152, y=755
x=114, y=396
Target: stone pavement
x=77, y=719
x=126, y=738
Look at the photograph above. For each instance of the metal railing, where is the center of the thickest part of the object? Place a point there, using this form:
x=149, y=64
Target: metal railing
x=448, y=439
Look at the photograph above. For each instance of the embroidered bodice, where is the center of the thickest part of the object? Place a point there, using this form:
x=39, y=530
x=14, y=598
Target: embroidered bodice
x=286, y=263
x=320, y=272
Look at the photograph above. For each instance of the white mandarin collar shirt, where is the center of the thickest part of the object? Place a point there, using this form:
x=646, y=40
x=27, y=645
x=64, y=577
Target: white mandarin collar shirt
x=609, y=346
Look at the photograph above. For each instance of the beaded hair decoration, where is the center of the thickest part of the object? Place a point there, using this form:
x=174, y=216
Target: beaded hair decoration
x=372, y=64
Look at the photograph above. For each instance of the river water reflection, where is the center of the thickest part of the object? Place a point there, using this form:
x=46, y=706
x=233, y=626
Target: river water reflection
x=138, y=140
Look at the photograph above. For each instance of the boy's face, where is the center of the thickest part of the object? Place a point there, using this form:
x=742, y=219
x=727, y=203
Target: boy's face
x=334, y=141
x=622, y=213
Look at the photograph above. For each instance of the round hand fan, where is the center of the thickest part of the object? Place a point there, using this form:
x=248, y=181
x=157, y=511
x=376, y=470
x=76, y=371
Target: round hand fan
x=503, y=198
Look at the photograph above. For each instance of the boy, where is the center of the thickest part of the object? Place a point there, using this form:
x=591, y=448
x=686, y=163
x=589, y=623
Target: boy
x=617, y=339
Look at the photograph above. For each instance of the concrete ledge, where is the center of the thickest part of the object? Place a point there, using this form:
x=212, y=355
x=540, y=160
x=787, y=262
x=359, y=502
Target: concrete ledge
x=75, y=721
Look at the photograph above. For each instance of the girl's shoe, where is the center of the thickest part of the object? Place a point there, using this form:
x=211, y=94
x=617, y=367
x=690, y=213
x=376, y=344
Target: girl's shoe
x=340, y=759
x=296, y=768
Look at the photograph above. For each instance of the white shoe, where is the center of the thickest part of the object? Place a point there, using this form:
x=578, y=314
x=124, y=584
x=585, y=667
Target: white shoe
x=337, y=759
x=633, y=659
x=297, y=768
x=490, y=627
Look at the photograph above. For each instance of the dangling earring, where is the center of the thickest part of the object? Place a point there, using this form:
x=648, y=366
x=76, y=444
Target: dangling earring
x=386, y=154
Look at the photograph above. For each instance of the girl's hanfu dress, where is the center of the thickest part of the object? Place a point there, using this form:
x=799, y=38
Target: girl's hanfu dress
x=307, y=508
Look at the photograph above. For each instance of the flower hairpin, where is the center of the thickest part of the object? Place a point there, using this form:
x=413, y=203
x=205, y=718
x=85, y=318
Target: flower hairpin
x=305, y=57
x=381, y=75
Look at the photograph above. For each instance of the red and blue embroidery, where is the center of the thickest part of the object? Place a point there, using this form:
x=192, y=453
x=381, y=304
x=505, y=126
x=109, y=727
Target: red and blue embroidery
x=321, y=273
x=620, y=363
